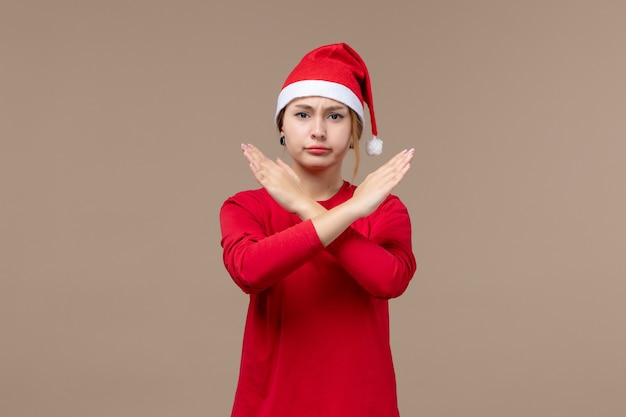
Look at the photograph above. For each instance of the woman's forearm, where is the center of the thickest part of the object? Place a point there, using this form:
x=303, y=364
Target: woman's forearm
x=329, y=224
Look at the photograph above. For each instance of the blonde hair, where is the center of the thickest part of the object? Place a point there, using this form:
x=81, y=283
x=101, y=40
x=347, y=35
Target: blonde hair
x=355, y=134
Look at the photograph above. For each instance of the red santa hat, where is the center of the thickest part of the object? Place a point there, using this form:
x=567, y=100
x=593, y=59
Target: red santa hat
x=337, y=72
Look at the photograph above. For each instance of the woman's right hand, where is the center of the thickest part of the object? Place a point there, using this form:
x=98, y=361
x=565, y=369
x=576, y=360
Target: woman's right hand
x=379, y=184
x=280, y=181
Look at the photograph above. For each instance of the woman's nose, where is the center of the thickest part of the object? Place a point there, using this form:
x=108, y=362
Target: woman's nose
x=319, y=128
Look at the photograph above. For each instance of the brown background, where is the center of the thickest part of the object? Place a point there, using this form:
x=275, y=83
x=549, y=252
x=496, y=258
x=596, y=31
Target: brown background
x=120, y=123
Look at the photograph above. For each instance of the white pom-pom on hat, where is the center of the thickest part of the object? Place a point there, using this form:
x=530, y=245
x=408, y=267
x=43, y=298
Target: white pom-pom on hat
x=337, y=72
x=374, y=146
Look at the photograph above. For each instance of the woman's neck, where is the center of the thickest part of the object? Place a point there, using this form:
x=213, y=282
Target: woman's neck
x=320, y=186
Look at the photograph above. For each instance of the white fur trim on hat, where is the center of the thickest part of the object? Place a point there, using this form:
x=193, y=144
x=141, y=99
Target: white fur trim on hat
x=374, y=146
x=319, y=88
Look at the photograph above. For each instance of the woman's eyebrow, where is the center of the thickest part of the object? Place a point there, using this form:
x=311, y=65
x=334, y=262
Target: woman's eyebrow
x=334, y=108
x=331, y=108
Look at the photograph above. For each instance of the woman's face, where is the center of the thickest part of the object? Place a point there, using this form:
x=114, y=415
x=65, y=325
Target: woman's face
x=317, y=132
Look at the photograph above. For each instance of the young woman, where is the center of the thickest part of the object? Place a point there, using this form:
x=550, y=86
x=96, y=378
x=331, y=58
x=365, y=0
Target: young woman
x=318, y=256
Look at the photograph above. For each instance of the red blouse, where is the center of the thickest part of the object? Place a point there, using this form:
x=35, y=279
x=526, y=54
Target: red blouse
x=316, y=339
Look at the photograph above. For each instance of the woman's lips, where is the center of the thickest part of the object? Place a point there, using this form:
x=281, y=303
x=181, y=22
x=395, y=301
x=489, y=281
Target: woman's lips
x=317, y=150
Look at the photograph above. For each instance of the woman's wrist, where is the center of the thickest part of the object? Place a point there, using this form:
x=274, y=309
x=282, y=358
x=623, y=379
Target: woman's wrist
x=309, y=209
x=351, y=209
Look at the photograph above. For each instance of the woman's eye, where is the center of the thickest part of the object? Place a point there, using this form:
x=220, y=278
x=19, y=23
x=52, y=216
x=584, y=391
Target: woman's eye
x=302, y=115
x=336, y=116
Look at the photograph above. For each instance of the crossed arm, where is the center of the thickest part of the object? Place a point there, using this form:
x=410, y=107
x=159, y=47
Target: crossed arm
x=382, y=263
x=282, y=183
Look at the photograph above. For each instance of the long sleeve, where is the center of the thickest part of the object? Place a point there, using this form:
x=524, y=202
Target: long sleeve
x=310, y=306
x=256, y=256
x=382, y=262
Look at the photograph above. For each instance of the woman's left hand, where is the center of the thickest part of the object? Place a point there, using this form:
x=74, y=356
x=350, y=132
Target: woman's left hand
x=377, y=185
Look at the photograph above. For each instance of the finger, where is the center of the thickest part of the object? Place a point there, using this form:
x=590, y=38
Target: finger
x=255, y=156
x=392, y=163
x=391, y=173
x=410, y=154
x=399, y=160
x=402, y=156
x=256, y=160
x=288, y=169
x=255, y=151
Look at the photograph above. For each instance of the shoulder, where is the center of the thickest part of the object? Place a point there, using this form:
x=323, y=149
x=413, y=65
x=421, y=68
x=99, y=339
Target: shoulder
x=256, y=201
x=249, y=198
x=392, y=200
x=396, y=201
x=391, y=206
